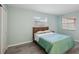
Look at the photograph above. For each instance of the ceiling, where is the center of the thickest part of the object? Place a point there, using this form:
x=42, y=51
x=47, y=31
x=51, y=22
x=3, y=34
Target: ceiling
x=56, y=9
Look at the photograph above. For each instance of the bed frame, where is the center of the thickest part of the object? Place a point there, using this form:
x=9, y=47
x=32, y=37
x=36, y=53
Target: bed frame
x=36, y=29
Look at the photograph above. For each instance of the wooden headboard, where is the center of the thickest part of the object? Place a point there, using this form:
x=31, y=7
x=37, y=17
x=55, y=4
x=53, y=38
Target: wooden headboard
x=36, y=29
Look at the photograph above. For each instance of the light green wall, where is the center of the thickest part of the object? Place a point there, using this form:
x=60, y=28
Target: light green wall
x=20, y=24
x=75, y=33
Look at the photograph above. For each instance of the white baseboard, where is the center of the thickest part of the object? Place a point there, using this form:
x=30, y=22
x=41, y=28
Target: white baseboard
x=19, y=43
x=77, y=40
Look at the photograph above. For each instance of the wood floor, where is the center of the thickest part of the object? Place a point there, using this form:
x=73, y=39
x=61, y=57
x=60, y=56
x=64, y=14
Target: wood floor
x=32, y=48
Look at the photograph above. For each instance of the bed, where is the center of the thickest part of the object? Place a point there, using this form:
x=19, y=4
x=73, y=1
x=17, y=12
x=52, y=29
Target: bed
x=53, y=43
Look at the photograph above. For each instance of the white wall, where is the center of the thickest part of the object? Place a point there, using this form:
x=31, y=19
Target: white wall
x=20, y=24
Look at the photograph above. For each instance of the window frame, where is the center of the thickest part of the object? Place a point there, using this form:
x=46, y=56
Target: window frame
x=40, y=21
x=65, y=25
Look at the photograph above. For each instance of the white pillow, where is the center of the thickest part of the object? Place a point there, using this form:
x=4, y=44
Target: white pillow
x=41, y=32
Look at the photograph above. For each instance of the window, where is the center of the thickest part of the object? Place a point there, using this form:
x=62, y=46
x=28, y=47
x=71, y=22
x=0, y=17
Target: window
x=39, y=21
x=69, y=23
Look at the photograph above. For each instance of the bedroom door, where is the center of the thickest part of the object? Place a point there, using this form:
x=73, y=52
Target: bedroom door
x=3, y=29
x=0, y=29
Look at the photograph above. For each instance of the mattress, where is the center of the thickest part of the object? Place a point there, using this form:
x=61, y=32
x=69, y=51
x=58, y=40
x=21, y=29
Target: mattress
x=54, y=42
